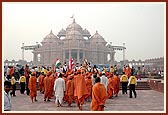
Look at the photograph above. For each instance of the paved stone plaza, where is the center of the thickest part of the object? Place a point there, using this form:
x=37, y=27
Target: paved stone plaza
x=147, y=100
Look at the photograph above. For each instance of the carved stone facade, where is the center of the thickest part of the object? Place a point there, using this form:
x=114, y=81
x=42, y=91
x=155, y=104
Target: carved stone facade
x=74, y=42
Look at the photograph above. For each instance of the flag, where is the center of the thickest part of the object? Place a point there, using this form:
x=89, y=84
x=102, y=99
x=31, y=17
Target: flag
x=85, y=61
x=71, y=63
x=58, y=63
x=72, y=16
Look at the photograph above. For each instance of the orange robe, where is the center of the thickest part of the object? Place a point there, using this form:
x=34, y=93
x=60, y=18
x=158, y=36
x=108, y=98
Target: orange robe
x=116, y=85
x=99, y=96
x=89, y=85
x=40, y=83
x=26, y=72
x=80, y=89
x=65, y=96
x=110, y=89
x=128, y=72
x=11, y=72
x=47, y=87
x=52, y=85
x=32, y=87
x=69, y=91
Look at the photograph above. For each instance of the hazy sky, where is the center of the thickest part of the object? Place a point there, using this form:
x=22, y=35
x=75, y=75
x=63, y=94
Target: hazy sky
x=141, y=26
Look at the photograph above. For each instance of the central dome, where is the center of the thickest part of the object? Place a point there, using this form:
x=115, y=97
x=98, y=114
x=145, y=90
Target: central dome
x=74, y=35
x=74, y=26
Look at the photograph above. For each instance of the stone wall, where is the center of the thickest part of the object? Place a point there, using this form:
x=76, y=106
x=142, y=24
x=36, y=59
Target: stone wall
x=156, y=84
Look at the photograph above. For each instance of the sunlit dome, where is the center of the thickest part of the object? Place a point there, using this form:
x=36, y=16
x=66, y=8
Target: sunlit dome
x=50, y=38
x=62, y=32
x=86, y=33
x=74, y=35
x=74, y=26
x=97, y=38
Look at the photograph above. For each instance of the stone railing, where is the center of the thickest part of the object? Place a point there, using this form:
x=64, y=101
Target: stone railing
x=156, y=84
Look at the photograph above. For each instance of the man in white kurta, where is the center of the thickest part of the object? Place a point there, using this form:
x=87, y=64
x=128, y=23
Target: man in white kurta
x=59, y=89
x=104, y=80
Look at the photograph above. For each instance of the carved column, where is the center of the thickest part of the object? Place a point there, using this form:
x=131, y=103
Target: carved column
x=69, y=54
x=78, y=55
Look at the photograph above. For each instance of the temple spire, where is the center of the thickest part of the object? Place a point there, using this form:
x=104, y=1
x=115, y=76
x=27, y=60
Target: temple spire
x=73, y=18
x=51, y=32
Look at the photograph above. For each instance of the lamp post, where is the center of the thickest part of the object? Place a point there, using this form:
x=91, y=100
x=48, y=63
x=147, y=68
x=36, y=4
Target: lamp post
x=111, y=54
x=124, y=53
x=22, y=51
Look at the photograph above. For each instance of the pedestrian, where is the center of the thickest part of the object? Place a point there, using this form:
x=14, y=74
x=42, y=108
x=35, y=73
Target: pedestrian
x=132, y=83
x=124, y=81
x=88, y=81
x=13, y=83
x=40, y=82
x=115, y=69
x=70, y=90
x=138, y=73
x=7, y=73
x=7, y=97
x=27, y=83
x=80, y=89
x=47, y=86
x=59, y=89
x=143, y=71
x=22, y=82
x=104, y=80
x=111, y=69
x=99, y=96
x=128, y=71
x=52, y=84
x=12, y=71
x=32, y=87
x=116, y=84
x=110, y=88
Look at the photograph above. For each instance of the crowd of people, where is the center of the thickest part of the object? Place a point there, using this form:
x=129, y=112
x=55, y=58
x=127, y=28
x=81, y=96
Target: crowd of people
x=79, y=84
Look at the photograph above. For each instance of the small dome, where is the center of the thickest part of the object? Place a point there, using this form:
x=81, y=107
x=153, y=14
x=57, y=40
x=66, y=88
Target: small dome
x=50, y=38
x=62, y=32
x=97, y=38
x=86, y=33
x=74, y=35
x=74, y=26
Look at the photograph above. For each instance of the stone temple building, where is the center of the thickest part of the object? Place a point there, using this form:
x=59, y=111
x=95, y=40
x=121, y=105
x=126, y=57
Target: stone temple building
x=75, y=42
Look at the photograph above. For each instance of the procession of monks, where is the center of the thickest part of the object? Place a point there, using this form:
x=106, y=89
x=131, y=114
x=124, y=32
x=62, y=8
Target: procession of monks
x=79, y=86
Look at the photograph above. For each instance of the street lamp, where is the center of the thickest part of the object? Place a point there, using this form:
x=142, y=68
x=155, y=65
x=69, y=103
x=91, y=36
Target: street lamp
x=22, y=51
x=123, y=53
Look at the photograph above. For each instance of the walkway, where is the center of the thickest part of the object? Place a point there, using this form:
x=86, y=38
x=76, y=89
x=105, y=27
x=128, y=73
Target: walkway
x=147, y=100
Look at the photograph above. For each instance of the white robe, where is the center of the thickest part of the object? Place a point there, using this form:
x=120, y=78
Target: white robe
x=59, y=87
x=104, y=80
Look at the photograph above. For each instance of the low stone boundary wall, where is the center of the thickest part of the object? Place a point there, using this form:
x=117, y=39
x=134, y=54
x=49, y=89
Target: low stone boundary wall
x=156, y=84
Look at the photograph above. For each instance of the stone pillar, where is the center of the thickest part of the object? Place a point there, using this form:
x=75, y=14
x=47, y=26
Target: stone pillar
x=84, y=54
x=69, y=54
x=35, y=58
x=78, y=56
x=42, y=59
x=112, y=56
x=63, y=59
